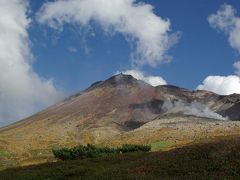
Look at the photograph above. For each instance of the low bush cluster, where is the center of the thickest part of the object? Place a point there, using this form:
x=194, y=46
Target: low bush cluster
x=92, y=151
x=134, y=148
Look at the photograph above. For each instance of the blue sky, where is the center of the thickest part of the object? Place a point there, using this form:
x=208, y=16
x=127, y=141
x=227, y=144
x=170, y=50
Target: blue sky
x=52, y=49
x=201, y=50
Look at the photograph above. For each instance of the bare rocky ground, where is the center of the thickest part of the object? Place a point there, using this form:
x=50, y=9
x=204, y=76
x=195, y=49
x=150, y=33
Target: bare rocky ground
x=179, y=129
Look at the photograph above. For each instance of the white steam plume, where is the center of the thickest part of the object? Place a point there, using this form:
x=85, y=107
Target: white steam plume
x=194, y=108
x=22, y=91
x=135, y=21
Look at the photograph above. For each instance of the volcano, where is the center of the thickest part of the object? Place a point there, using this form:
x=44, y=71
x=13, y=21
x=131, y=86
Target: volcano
x=121, y=110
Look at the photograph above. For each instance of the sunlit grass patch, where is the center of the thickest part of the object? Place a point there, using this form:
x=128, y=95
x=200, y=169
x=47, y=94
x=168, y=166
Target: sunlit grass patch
x=4, y=153
x=161, y=145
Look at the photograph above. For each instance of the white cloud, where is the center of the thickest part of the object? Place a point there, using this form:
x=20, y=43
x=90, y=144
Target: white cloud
x=152, y=80
x=226, y=20
x=22, y=91
x=236, y=66
x=136, y=21
x=224, y=85
x=72, y=49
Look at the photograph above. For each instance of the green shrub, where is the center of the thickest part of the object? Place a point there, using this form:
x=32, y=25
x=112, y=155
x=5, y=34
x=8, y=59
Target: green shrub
x=135, y=148
x=92, y=151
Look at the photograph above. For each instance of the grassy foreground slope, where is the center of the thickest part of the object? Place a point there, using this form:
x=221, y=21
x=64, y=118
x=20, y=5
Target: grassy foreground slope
x=218, y=159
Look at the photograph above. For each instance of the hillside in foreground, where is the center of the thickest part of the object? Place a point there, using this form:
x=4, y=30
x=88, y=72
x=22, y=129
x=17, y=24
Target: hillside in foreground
x=218, y=159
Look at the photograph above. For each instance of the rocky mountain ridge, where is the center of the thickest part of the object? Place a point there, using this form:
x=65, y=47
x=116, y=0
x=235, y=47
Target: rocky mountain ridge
x=118, y=110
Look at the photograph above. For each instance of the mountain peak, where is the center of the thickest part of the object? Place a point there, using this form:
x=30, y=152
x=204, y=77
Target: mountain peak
x=116, y=80
x=121, y=79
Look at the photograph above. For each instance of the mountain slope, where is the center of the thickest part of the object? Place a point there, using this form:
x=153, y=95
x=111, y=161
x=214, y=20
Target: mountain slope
x=117, y=111
x=211, y=160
